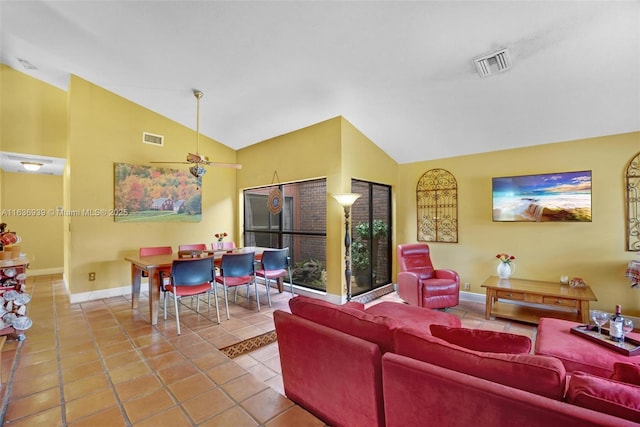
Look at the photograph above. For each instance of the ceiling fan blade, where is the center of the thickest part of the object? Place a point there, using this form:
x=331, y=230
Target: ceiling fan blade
x=175, y=163
x=225, y=165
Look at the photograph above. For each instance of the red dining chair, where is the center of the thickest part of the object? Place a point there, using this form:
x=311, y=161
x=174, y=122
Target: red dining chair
x=237, y=269
x=193, y=247
x=190, y=277
x=275, y=263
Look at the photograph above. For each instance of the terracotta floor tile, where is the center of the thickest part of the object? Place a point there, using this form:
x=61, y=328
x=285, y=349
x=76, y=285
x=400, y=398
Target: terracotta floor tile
x=177, y=372
x=236, y=417
x=192, y=386
x=34, y=403
x=243, y=387
x=207, y=405
x=165, y=360
x=82, y=371
x=89, y=405
x=27, y=385
x=114, y=349
x=148, y=405
x=85, y=386
x=225, y=372
x=266, y=405
x=111, y=417
x=262, y=372
x=294, y=417
x=138, y=386
x=129, y=372
x=51, y=418
x=172, y=417
x=121, y=359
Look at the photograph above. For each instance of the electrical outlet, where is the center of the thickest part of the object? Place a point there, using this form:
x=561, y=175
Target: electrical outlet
x=467, y=286
x=92, y=276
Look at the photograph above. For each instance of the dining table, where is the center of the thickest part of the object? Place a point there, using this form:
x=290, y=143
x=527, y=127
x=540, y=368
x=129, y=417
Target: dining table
x=154, y=263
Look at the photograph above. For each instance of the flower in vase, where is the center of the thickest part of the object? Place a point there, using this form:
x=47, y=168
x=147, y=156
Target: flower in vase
x=506, y=258
x=220, y=236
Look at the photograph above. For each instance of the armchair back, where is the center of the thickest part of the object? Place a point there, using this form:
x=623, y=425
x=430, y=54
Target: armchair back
x=414, y=257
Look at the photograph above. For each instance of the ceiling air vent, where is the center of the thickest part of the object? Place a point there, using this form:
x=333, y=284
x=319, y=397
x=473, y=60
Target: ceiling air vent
x=149, y=138
x=495, y=62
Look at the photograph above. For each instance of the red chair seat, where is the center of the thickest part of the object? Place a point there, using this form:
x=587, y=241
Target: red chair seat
x=187, y=291
x=272, y=273
x=234, y=281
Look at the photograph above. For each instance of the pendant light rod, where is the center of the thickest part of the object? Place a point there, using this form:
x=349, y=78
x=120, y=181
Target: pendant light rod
x=198, y=94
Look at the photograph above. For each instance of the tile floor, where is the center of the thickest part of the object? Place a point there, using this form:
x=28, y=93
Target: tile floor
x=100, y=363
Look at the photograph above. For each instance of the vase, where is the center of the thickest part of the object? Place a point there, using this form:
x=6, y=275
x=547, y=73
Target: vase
x=220, y=245
x=505, y=269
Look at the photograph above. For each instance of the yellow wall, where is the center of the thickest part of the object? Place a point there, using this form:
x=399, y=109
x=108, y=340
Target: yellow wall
x=33, y=118
x=333, y=149
x=594, y=251
x=105, y=128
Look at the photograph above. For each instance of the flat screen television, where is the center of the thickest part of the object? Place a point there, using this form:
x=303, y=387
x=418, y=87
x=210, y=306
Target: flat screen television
x=564, y=196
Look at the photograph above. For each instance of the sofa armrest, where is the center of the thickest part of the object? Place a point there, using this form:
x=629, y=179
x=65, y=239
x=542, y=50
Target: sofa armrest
x=409, y=288
x=447, y=274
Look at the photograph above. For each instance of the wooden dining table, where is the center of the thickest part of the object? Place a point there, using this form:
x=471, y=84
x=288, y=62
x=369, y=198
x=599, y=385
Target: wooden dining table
x=154, y=263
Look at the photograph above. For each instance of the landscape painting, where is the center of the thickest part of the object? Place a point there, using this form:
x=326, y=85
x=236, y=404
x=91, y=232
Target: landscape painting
x=562, y=196
x=155, y=194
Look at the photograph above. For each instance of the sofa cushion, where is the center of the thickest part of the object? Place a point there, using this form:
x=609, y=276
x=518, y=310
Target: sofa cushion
x=410, y=315
x=355, y=322
x=481, y=340
x=536, y=374
x=604, y=395
x=626, y=373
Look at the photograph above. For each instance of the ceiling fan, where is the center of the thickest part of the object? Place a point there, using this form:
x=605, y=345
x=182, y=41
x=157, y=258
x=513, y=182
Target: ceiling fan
x=196, y=159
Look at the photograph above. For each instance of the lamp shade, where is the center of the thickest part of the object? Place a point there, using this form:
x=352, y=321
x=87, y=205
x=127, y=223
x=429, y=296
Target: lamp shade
x=346, y=199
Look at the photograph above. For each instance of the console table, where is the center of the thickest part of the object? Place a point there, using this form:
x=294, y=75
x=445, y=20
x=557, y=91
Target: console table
x=529, y=300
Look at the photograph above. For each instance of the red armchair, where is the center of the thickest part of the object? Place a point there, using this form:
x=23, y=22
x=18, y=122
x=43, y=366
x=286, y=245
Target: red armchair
x=419, y=283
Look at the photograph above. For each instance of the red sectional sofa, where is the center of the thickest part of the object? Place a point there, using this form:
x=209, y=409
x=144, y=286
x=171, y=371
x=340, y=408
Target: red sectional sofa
x=398, y=365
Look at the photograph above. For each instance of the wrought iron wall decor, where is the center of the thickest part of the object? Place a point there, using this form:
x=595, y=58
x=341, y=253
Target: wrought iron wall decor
x=437, y=207
x=632, y=183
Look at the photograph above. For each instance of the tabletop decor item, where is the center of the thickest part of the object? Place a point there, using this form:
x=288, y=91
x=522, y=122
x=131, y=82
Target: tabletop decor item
x=220, y=237
x=577, y=282
x=506, y=266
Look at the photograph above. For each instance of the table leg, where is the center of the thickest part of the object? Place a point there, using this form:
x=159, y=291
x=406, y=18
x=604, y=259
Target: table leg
x=154, y=294
x=584, y=312
x=280, y=282
x=136, y=275
x=489, y=304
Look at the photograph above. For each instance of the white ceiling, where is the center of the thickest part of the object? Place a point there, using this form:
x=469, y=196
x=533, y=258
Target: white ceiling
x=401, y=72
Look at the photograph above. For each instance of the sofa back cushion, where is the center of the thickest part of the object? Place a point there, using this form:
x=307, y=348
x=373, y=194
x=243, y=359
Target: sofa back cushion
x=481, y=340
x=541, y=375
x=604, y=395
x=626, y=373
x=355, y=322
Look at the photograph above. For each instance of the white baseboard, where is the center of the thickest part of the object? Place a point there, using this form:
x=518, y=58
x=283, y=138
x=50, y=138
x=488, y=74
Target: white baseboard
x=105, y=293
x=46, y=271
x=472, y=297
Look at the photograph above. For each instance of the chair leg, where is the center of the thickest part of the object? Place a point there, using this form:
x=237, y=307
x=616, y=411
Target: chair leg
x=268, y=286
x=165, y=305
x=215, y=298
x=175, y=302
x=226, y=300
x=291, y=282
x=235, y=295
x=255, y=285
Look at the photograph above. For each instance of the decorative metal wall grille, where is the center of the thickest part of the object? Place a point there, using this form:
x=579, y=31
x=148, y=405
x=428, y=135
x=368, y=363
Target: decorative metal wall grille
x=633, y=204
x=437, y=205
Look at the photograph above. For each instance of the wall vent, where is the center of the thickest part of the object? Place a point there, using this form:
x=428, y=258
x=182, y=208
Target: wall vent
x=495, y=62
x=150, y=138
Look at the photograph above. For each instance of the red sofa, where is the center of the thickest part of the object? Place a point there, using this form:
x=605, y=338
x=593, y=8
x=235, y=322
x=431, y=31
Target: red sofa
x=331, y=356
x=398, y=365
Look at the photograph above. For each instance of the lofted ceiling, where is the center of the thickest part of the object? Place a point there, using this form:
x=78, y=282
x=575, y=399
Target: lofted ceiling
x=401, y=72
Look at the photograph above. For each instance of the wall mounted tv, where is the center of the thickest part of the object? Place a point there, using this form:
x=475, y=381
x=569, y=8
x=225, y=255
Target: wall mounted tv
x=564, y=196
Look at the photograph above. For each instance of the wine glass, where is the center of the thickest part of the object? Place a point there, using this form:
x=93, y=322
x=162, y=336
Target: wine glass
x=627, y=326
x=600, y=318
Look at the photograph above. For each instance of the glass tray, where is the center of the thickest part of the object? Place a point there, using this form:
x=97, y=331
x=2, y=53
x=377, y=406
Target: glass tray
x=630, y=346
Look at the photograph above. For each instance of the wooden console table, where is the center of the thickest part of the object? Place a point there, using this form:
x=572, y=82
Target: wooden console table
x=529, y=300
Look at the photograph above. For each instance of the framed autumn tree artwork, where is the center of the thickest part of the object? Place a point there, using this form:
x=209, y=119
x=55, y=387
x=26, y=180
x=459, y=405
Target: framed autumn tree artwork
x=155, y=194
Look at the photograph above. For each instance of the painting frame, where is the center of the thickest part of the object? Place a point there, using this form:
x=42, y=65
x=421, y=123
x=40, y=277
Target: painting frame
x=544, y=197
x=156, y=194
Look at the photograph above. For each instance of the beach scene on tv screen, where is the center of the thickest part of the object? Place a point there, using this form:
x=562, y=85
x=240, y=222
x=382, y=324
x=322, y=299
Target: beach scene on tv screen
x=562, y=196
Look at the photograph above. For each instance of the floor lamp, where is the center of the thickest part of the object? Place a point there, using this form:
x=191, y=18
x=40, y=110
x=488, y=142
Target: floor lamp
x=347, y=200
